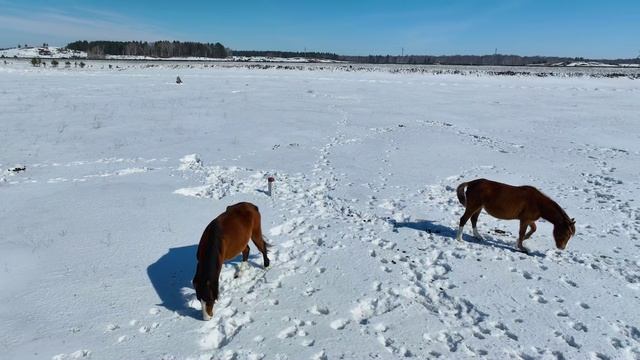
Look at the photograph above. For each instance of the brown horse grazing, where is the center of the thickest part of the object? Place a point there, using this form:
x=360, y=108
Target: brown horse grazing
x=224, y=238
x=507, y=202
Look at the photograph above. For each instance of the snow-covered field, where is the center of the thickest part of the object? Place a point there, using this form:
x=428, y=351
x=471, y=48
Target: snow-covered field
x=124, y=169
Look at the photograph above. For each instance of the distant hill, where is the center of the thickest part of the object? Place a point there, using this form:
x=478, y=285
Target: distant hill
x=44, y=52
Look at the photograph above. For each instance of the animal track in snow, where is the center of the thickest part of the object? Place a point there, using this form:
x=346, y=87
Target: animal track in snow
x=225, y=324
x=80, y=354
x=585, y=306
x=569, y=339
x=369, y=307
x=319, y=310
x=536, y=295
x=339, y=324
x=288, y=332
x=322, y=355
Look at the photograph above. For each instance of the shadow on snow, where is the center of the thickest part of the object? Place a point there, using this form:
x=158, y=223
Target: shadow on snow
x=434, y=228
x=171, y=277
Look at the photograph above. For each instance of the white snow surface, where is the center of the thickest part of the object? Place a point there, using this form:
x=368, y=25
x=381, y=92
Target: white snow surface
x=584, y=63
x=124, y=170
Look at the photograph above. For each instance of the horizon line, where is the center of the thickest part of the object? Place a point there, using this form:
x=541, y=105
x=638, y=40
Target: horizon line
x=346, y=55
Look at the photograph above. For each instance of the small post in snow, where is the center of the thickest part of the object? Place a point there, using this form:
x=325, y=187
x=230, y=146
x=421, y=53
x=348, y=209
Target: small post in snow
x=270, y=181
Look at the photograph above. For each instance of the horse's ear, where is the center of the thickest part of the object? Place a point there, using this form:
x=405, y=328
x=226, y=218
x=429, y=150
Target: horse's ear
x=573, y=226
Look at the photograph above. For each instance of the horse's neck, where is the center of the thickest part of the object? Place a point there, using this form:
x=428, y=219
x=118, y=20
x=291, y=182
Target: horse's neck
x=211, y=250
x=551, y=211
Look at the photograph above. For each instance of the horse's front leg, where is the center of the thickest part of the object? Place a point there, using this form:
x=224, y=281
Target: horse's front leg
x=521, y=236
x=207, y=310
x=245, y=262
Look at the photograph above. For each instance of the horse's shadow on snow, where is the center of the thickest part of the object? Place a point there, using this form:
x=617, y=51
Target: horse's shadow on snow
x=171, y=277
x=434, y=228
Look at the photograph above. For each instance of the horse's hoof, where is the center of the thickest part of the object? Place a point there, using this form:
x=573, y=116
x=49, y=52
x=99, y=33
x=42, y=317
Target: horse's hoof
x=205, y=315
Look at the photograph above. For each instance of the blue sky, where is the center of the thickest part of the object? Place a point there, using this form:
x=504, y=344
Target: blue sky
x=593, y=29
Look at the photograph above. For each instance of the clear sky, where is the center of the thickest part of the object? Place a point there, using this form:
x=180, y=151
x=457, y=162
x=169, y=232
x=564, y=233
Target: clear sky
x=591, y=29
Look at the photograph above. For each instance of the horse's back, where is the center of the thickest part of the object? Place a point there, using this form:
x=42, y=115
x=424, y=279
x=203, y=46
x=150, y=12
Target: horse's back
x=240, y=214
x=237, y=224
x=503, y=200
x=485, y=190
x=494, y=188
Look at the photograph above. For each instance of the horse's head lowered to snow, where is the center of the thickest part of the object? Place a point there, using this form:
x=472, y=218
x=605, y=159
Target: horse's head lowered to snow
x=204, y=291
x=563, y=231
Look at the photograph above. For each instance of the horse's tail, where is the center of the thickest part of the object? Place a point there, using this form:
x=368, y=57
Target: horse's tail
x=257, y=229
x=264, y=240
x=460, y=192
x=259, y=239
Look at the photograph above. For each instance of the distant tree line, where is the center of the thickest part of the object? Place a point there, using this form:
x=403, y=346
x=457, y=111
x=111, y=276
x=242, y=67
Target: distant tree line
x=509, y=60
x=160, y=49
x=496, y=59
x=287, y=54
x=165, y=49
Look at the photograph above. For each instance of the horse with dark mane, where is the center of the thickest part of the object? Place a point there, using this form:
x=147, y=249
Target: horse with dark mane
x=508, y=202
x=223, y=239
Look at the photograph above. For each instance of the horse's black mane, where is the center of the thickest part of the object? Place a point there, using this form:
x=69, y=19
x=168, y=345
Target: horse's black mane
x=567, y=220
x=557, y=207
x=561, y=211
x=208, y=264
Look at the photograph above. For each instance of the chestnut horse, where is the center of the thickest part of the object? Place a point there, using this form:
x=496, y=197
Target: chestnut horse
x=508, y=202
x=224, y=238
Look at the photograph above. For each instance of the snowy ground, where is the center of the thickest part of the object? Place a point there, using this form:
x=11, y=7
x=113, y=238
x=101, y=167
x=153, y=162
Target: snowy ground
x=99, y=232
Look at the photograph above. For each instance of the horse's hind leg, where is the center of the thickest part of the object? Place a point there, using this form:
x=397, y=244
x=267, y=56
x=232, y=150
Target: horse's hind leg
x=474, y=223
x=258, y=240
x=469, y=211
x=532, y=229
x=245, y=254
